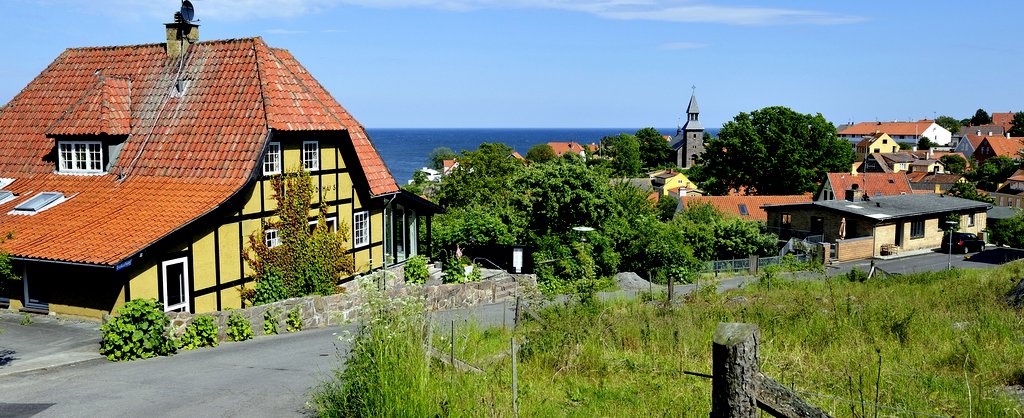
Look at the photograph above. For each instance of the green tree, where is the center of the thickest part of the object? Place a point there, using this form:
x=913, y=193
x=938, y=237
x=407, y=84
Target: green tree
x=992, y=172
x=437, y=156
x=483, y=177
x=967, y=190
x=772, y=151
x=667, y=205
x=954, y=163
x=419, y=183
x=540, y=153
x=924, y=143
x=950, y=123
x=654, y=149
x=1008, y=232
x=306, y=261
x=981, y=117
x=1017, y=128
x=624, y=150
x=905, y=146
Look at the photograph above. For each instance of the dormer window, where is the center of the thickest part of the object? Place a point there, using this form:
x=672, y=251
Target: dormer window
x=80, y=157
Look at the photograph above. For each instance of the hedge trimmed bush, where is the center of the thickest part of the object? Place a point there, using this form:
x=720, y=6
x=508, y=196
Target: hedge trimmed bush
x=140, y=330
x=202, y=332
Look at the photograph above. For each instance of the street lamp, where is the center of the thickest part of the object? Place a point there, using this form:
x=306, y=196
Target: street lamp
x=949, y=250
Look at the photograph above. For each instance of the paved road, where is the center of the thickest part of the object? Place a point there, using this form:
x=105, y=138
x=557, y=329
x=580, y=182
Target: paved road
x=269, y=376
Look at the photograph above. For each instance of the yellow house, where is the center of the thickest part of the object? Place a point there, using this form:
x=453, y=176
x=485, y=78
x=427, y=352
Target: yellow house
x=876, y=143
x=142, y=172
x=667, y=180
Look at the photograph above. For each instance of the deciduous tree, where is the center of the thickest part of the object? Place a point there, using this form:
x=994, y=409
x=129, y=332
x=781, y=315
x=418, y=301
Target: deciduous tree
x=437, y=156
x=1017, y=130
x=624, y=150
x=654, y=149
x=540, y=153
x=954, y=163
x=950, y=123
x=981, y=117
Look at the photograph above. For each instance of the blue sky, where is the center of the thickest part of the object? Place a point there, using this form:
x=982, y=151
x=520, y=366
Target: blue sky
x=585, y=63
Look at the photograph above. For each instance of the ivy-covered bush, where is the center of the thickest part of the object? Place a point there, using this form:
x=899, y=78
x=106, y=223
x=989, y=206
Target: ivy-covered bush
x=416, y=271
x=294, y=320
x=202, y=332
x=140, y=330
x=239, y=328
x=270, y=288
x=270, y=318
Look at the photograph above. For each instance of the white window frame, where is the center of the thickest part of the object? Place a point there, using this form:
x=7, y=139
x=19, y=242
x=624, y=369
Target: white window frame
x=331, y=221
x=272, y=238
x=970, y=219
x=184, y=285
x=311, y=155
x=68, y=157
x=360, y=229
x=272, y=159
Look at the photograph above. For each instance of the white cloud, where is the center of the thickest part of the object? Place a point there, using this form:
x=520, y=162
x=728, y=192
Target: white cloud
x=682, y=45
x=689, y=11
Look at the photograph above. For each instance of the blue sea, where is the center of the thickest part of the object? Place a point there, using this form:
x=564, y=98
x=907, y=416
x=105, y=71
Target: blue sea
x=405, y=150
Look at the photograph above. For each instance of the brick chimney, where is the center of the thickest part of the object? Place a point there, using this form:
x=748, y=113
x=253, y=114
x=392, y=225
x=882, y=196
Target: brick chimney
x=180, y=34
x=854, y=193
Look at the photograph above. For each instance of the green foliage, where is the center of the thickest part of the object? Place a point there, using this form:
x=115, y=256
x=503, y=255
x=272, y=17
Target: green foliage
x=294, y=321
x=992, y=172
x=419, y=183
x=772, y=151
x=624, y=151
x=856, y=275
x=138, y=331
x=481, y=178
x=270, y=320
x=202, y=332
x=26, y=319
x=667, y=205
x=454, y=271
x=479, y=225
x=416, y=270
x=654, y=149
x=437, y=156
x=924, y=143
x=239, y=328
x=540, y=153
x=307, y=262
x=1017, y=128
x=270, y=288
x=905, y=146
x=950, y=123
x=981, y=117
x=968, y=191
x=954, y=163
x=1008, y=232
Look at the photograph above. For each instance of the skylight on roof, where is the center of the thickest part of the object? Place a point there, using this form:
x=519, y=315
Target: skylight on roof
x=38, y=203
x=6, y=196
x=5, y=181
x=743, y=210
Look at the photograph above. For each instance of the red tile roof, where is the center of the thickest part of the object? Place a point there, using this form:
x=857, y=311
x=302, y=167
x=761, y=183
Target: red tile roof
x=1003, y=119
x=873, y=184
x=891, y=128
x=730, y=205
x=185, y=153
x=1005, y=147
x=564, y=147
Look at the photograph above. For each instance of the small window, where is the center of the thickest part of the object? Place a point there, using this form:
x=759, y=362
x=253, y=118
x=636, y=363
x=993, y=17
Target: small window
x=38, y=203
x=360, y=229
x=311, y=155
x=80, y=157
x=885, y=141
x=787, y=220
x=332, y=224
x=271, y=238
x=743, y=210
x=917, y=229
x=272, y=161
x=970, y=219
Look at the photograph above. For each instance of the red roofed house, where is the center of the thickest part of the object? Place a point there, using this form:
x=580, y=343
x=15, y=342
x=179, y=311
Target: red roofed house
x=838, y=185
x=998, y=146
x=744, y=207
x=1004, y=120
x=140, y=172
x=562, y=148
x=909, y=132
x=1011, y=193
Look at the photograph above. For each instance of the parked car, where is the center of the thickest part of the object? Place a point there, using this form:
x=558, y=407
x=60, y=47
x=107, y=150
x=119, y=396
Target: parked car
x=962, y=242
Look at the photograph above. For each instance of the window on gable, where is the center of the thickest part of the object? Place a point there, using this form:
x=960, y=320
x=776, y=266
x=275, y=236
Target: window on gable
x=80, y=157
x=271, y=238
x=311, y=155
x=272, y=160
x=360, y=229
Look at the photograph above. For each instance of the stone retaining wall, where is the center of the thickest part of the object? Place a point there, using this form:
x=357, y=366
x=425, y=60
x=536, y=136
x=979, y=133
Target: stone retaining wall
x=323, y=311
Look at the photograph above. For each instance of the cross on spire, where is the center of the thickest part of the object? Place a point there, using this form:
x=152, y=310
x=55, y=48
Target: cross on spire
x=694, y=89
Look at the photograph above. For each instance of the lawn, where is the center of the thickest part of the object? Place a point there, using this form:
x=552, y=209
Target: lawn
x=932, y=343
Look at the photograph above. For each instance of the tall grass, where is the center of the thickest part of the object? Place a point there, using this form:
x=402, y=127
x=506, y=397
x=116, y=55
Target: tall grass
x=937, y=343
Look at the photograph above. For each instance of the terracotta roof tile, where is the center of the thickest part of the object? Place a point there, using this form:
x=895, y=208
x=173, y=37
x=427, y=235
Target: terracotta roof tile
x=191, y=140
x=873, y=184
x=1005, y=147
x=734, y=205
x=891, y=128
x=564, y=147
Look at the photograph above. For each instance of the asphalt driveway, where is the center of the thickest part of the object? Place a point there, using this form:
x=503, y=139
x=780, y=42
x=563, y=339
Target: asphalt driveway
x=45, y=342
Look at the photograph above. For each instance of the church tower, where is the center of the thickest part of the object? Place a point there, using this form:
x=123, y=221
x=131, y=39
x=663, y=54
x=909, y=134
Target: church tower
x=688, y=143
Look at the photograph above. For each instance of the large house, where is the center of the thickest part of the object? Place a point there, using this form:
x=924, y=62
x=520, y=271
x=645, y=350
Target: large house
x=863, y=227
x=878, y=142
x=908, y=132
x=142, y=171
x=998, y=146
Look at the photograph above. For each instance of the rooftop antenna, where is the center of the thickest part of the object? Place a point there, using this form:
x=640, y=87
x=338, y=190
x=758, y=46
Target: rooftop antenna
x=188, y=13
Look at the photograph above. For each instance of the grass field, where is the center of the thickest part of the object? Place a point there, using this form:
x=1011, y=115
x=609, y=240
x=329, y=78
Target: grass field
x=926, y=344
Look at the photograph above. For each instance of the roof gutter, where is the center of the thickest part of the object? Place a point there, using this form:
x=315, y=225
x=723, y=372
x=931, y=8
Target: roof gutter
x=63, y=263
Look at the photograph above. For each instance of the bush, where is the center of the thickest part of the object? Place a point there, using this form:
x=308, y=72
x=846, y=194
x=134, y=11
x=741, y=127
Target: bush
x=294, y=321
x=138, y=331
x=239, y=328
x=857, y=276
x=416, y=270
x=454, y=271
x=270, y=288
x=202, y=332
x=270, y=318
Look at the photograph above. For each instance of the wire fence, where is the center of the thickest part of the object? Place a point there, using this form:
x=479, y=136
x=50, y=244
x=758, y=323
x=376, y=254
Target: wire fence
x=743, y=264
